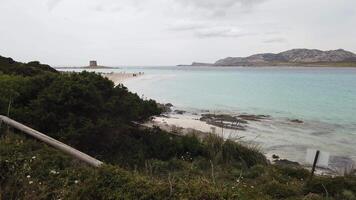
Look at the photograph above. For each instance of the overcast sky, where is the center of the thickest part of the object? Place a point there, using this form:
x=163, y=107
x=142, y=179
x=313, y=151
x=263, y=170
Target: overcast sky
x=169, y=32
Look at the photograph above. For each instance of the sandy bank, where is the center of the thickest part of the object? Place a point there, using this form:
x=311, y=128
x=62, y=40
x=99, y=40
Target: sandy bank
x=118, y=78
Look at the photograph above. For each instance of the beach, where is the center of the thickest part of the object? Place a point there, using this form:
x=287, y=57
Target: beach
x=120, y=77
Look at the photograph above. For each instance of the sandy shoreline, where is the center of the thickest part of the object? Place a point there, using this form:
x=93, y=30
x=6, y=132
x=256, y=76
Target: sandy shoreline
x=120, y=77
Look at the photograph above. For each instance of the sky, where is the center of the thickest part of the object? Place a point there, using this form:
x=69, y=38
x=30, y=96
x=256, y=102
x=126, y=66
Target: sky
x=169, y=32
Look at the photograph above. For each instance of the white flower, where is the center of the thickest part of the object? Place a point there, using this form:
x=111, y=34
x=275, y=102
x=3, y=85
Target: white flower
x=53, y=172
x=30, y=182
x=28, y=176
x=76, y=181
x=33, y=157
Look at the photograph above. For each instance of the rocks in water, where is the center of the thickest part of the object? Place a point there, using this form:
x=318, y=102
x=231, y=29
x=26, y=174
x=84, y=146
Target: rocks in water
x=168, y=105
x=274, y=156
x=253, y=117
x=180, y=112
x=166, y=108
x=297, y=121
x=227, y=125
x=222, y=117
x=231, y=122
x=224, y=121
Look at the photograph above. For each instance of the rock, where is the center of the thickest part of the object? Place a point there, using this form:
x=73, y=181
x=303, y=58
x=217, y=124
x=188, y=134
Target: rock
x=222, y=117
x=169, y=105
x=253, y=117
x=180, y=112
x=274, y=156
x=166, y=108
x=297, y=121
x=224, y=121
x=285, y=162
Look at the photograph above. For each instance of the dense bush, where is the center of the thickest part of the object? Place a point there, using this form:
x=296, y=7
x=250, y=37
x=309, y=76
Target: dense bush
x=9, y=66
x=84, y=109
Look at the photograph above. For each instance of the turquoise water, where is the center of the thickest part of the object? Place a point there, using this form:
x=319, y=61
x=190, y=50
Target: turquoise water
x=323, y=98
x=323, y=94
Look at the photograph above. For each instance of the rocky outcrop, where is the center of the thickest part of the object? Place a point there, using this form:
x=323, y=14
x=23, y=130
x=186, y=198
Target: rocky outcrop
x=305, y=57
x=231, y=122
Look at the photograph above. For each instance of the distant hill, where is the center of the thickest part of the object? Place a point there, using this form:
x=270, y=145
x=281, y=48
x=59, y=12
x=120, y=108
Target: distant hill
x=294, y=57
x=9, y=66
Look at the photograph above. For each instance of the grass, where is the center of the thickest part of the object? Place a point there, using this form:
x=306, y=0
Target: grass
x=32, y=170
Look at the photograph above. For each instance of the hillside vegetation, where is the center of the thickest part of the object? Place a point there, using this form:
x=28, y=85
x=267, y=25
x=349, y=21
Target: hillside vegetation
x=89, y=113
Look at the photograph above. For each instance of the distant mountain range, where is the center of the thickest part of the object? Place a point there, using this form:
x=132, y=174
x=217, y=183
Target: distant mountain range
x=294, y=57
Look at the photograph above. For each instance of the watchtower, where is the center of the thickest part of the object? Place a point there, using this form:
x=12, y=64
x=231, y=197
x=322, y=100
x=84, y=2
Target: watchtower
x=93, y=63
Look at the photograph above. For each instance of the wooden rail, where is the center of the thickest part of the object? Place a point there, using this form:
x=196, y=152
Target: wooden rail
x=52, y=142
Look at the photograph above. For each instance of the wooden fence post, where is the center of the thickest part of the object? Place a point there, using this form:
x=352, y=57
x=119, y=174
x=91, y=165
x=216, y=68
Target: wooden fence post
x=52, y=142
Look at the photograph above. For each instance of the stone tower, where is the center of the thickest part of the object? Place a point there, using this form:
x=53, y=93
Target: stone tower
x=93, y=63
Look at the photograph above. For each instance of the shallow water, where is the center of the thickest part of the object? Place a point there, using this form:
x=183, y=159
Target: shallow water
x=324, y=98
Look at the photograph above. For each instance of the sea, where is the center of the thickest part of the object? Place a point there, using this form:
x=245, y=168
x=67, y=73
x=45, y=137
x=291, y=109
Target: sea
x=324, y=99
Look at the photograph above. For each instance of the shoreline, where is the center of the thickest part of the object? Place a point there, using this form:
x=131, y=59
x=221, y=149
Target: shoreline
x=272, y=143
x=119, y=78
x=289, y=138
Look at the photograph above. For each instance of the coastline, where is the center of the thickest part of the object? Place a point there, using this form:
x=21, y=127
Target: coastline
x=285, y=136
x=271, y=143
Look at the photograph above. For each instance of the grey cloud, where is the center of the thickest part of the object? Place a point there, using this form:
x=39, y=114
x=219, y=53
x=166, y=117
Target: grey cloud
x=51, y=4
x=221, y=32
x=220, y=8
x=213, y=4
x=187, y=26
x=202, y=29
x=275, y=40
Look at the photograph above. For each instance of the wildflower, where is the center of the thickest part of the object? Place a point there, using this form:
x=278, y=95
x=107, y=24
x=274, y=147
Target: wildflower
x=28, y=176
x=33, y=157
x=76, y=181
x=252, y=186
x=53, y=172
x=30, y=182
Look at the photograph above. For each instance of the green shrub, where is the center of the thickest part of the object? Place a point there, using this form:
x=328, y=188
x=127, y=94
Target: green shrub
x=278, y=190
x=333, y=187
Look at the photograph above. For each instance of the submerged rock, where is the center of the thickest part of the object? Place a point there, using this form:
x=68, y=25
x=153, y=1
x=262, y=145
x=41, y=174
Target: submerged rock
x=253, y=117
x=166, y=108
x=180, y=112
x=222, y=117
x=169, y=105
x=224, y=121
x=297, y=121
